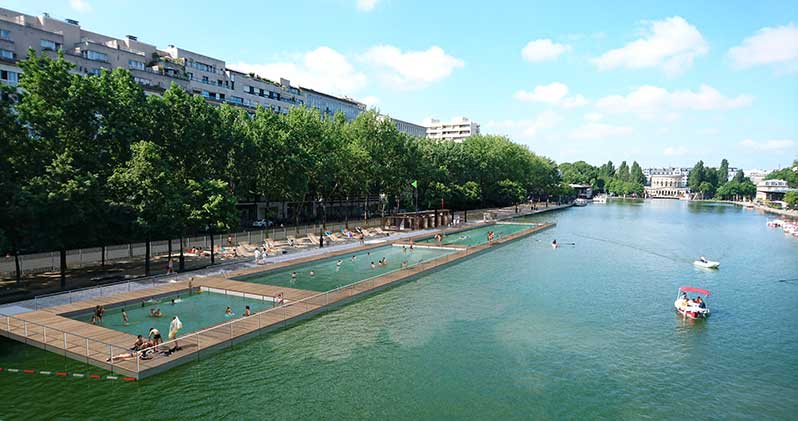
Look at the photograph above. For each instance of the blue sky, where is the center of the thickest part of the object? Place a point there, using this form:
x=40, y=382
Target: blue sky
x=663, y=83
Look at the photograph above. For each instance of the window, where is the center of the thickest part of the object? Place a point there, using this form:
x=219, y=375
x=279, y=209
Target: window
x=93, y=55
x=142, y=81
x=205, y=79
x=6, y=54
x=50, y=45
x=95, y=72
x=9, y=77
x=236, y=100
x=135, y=64
x=4, y=34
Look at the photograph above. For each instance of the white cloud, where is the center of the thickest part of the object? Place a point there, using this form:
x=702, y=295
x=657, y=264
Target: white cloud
x=371, y=100
x=675, y=151
x=593, y=117
x=322, y=69
x=593, y=131
x=650, y=101
x=366, y=5
x=769, y=46
x=81, y=6
x=543, y=50
x=527, y=128
x=412, y=69
x=671, y=44
x=553, y=93
x=770, y=145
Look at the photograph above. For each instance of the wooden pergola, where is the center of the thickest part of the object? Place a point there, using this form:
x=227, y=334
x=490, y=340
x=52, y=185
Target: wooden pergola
x=418, y=220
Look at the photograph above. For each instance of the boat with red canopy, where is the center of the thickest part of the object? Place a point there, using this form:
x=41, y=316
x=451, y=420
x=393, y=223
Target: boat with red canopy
x=690, y=302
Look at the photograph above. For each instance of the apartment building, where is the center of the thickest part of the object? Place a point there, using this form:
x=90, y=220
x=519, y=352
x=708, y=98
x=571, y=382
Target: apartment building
x=330, y=104
x=456, y=130
x=156, y=69
x=682, y=172
x=412, y=129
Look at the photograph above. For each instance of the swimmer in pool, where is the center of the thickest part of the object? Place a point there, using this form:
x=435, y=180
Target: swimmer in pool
x=247, y=311
x=293, y=276
x=404, y=264
x=228, y=311
x=339, y=262
x=158, y=312
x=124, y=317
x=372, y=265
x=312, y=273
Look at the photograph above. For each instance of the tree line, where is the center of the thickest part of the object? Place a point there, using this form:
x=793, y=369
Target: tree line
x=91, y=160
x=621, y=181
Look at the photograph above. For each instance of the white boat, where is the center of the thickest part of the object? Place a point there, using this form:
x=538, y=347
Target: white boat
x=706, y=264
x=694, y=308
x=580, y=202
x=775, y=223
x=600, y=199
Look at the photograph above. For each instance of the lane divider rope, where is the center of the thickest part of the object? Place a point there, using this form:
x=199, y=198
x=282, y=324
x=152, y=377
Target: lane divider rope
x=65, y=374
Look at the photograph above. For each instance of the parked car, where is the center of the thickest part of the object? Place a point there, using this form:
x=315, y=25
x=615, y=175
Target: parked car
x=262, y=223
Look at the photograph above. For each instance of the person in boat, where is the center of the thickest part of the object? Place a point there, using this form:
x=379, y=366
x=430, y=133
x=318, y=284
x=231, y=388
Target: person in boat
x=700, y=302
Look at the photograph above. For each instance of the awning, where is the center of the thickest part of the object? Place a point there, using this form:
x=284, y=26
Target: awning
x=696, y=290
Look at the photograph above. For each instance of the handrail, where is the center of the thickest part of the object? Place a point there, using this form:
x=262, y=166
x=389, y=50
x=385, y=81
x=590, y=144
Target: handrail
x=56, y=329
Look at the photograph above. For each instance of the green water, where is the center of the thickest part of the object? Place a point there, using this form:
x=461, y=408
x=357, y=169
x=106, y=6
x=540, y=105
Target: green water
x=520, y=332
x=197, y=311
x=477, y=236
x=329, y=275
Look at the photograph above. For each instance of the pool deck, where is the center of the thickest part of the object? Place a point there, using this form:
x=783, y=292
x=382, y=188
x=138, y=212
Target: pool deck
x=51, y=328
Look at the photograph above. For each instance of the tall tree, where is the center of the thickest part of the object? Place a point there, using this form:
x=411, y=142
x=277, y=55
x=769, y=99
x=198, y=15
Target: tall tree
x=636, y=174
x=696, y=176
x=623, y=172
x=723, y=172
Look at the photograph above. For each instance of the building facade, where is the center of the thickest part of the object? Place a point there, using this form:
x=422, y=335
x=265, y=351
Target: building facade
x=330, y=104
x=157, y=69
x=682, y=172
x=409, y=128
x=456, y=130
x=772, y=190
x=671, y=186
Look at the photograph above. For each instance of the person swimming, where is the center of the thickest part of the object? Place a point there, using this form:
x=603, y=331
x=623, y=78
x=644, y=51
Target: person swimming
x=354, y=258
x=339, y=262
x=312, y=274
x=247, y=311
x=124, y=316
x=372, y=265
x=293, y=276
x=228, y=311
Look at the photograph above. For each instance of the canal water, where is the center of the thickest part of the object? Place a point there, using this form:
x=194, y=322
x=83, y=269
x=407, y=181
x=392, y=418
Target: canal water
x=523, y=331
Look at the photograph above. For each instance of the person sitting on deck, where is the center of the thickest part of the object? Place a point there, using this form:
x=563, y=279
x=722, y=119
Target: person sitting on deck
x=139, y=344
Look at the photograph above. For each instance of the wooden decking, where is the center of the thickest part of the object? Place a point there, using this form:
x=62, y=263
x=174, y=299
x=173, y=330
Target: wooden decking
x=51, y=330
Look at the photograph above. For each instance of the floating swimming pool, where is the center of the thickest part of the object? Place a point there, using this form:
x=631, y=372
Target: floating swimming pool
x=477, y=236
x=328, y=274
x=197, y=311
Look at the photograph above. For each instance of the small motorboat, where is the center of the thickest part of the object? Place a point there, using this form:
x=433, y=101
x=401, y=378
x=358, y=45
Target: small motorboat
x=695, y=307
x=703, y=262
x=580, y=202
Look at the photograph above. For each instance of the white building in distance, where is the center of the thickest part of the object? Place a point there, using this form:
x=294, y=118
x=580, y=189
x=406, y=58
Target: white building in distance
x=456, y=130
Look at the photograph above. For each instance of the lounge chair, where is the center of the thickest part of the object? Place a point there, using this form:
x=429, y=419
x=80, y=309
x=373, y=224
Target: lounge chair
x=379, y=231
x=297, y=242
x=333, y=236
x=313, y=239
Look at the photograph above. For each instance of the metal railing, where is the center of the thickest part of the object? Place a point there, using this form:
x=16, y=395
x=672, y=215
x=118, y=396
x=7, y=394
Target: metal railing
x=56, y=340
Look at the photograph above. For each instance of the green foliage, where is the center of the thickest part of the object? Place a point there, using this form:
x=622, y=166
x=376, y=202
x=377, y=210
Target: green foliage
x=636, y=174
x=91, y=160
x=790, y=175
x=623, y=172
x=792, y=199
x=723, y=172
x=696, y=177
x=736, y=190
